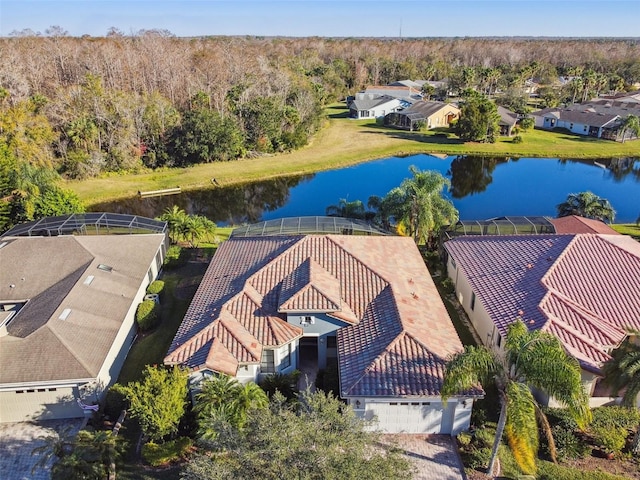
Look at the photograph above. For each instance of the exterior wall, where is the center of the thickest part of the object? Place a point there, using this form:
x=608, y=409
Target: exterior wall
x=41, y=402
x=538, y=121
x=478, y=316
x=322, y=327
x=577, y=128
x=415, y=415
x=378, y=111
x=279, y=356
x=440, y=118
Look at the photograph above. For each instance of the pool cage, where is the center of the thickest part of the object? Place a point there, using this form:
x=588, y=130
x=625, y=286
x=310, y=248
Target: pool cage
x=93, y=223
x=500, y=226
x=307, y=226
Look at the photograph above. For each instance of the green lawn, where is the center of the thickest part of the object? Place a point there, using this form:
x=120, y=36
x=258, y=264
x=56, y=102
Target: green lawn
x=631, y=229
x=342, y=142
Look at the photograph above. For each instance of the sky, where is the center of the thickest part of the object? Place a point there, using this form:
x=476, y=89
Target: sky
x=329, y=18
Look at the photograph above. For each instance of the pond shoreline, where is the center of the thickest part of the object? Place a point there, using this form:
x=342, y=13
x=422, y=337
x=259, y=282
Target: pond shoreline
x=341, y=143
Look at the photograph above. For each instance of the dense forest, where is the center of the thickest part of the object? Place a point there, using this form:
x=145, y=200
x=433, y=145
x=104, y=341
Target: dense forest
x=81, y=107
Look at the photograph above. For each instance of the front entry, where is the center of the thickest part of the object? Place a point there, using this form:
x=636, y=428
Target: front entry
x=307, y=361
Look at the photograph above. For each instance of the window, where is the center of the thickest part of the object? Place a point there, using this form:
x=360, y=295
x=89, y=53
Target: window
x=285, y=361
x=473, y=300
x=266, y=363
x=571, y=126
x=332, y=342
x=499, y=340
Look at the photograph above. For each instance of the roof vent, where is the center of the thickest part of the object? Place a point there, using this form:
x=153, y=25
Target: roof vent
x=104, y=268
x=89, y=279
x=65, y=313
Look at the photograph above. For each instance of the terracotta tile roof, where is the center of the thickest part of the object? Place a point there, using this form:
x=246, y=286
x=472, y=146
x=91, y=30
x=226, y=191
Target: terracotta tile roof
x=310, y=288
x=399, y=335
x=576, y=224
x=583, y=288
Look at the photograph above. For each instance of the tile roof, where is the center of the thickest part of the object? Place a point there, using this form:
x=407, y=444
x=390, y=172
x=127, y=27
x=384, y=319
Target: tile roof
x=582, y=287
x=577, y=224
x=397, y=332
x=50, y=272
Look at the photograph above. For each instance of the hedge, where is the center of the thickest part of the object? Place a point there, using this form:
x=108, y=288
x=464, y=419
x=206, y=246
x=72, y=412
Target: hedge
x=157, y=286
x=147, y=315
x=161, y=454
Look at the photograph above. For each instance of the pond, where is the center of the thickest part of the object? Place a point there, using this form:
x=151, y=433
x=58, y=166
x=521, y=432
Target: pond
x=481, y=188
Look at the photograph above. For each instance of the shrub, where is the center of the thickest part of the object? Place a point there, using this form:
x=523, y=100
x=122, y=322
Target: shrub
x=147, y=315
x=611, y=439
x=161, y=454
x=527, y=123
x=569, y=446
x=448, y=285
x=327, y=379
x=616, y=416
x=176, y=257
x=517, y=139
x=157, y=286
x=285, y=383
x=114, y=403
x=477, y=458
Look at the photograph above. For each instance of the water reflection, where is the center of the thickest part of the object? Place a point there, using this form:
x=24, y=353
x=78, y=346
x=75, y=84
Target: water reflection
x=472, y=174
x=236, y=204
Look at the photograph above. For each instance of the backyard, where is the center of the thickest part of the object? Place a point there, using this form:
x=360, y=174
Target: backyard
x=344, y=142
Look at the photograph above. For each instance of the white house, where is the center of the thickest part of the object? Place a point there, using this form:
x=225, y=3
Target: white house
x=67, y=311
x=580, y=287
x=373, y=106
x=369, y=300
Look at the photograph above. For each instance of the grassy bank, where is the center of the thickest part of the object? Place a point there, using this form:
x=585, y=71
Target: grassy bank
x=340, y=143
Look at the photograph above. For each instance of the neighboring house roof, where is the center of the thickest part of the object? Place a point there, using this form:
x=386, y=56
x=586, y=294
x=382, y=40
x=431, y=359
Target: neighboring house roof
x=361, y=104
x=397, y=333
x=577, y=224
x=583, y=288
x=415, y=85
x=424, y=109
x=633, y=97
x=585, y=117
x=507, y=117
x=43, y=344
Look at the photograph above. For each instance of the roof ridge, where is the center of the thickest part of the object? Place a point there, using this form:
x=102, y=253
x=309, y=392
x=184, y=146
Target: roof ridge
x=73, y=354
x=588, y=316
x=193, y=340
x=605, y=238
x=232, y=333
x=357, y=259
x=558, y=259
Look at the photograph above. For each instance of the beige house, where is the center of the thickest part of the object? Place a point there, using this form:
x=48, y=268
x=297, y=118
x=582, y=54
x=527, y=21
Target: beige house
x=67, y=313
x=423, y=113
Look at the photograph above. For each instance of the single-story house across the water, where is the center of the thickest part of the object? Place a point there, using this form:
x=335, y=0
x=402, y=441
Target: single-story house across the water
x=431, y=114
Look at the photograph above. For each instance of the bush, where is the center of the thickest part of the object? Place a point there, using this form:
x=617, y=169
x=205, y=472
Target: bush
x=517, y=139
x=176, y=257
x=161, y=454
x=114, y=403
x=616, y=416
x=147, y=315
x=610, y=439
x=157, y=286
x=448, y=286
x=285, y=383
x=327, y=379
x=569, y=446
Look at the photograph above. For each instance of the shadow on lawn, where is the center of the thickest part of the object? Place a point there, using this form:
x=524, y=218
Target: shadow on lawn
x=418, y=137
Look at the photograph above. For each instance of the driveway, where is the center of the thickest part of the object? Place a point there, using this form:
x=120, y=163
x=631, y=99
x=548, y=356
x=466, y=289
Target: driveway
x=17, y=441
x=435, y=457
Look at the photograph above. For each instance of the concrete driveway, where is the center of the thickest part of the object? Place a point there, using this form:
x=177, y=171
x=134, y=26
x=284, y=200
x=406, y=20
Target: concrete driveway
x=17, y=441
x=435, y=457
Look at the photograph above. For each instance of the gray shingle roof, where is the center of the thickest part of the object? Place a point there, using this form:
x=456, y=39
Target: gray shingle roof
x=50, y=272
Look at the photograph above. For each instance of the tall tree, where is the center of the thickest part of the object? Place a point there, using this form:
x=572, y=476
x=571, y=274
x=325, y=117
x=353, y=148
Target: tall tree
x=317, y=438
x=586, y=204
x=419, y=206
x=531, y=359
x=631, y=124
x=622, y=373
x=478, y=120
x=158, y=400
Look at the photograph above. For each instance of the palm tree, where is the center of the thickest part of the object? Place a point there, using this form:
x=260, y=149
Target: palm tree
x=174, y=217
x=622, y=373
x=631, y=124
x=418, y=205
x=588, y=205
x=531, y=359
x=225, y=400
x=346, y=209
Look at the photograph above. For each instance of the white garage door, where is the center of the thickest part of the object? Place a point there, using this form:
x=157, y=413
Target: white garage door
x=411, y=417
x=43, y=404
